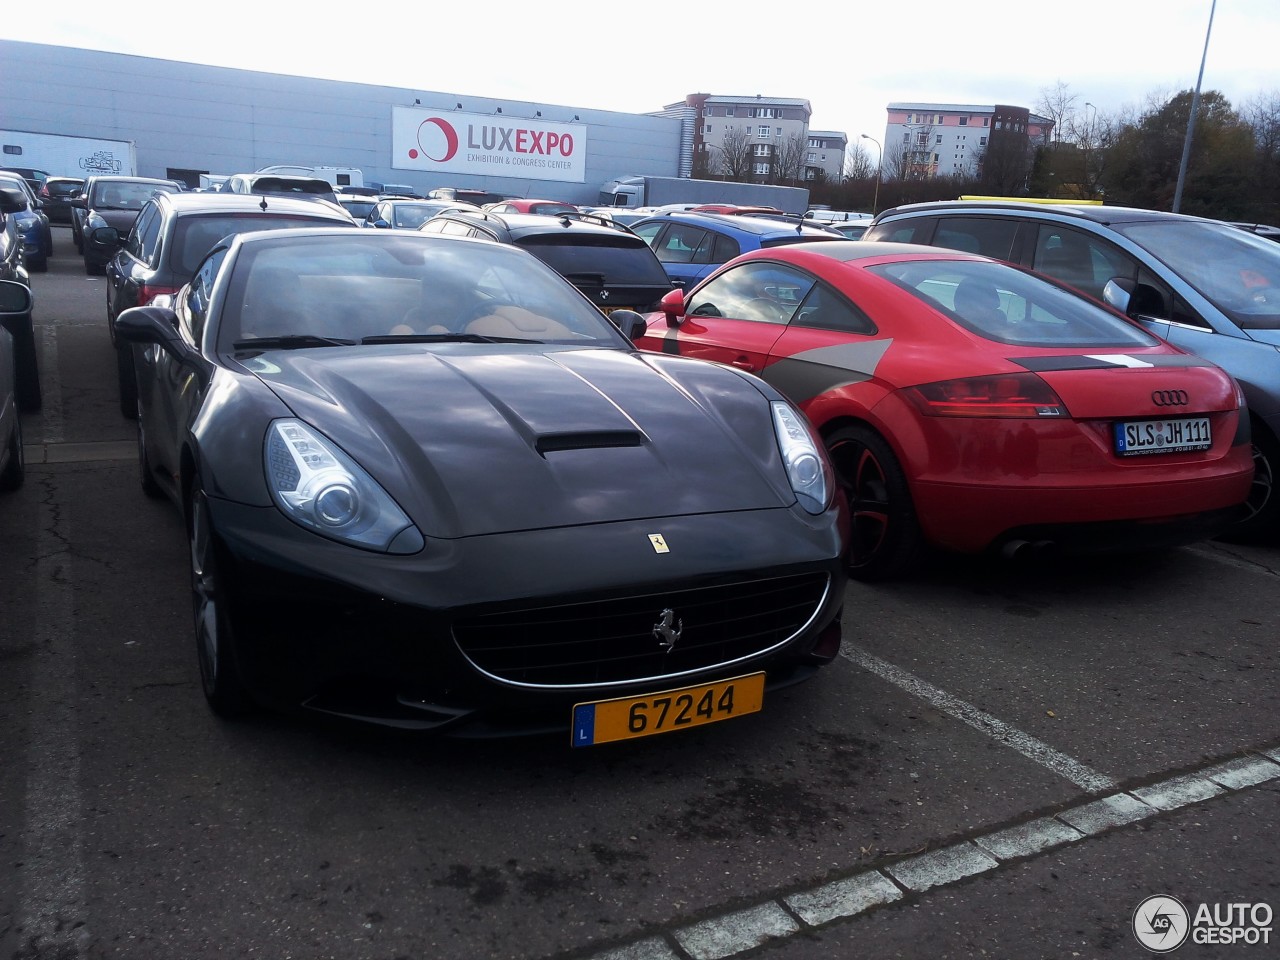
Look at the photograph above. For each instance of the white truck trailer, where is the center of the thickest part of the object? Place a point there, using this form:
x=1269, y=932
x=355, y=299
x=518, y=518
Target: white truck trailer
x=656, y=191
x=60, y=155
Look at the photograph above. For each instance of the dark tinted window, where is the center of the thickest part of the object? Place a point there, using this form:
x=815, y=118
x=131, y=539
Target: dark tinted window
x=145, y=235
x=602, y=259
x=912, y=230
x=988, y=236
x=193, y=236
x=1080, y=259
x=725, y=249
x=825, y=309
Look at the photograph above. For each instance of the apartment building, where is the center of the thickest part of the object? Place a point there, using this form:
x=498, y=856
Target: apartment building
x=755, y=137
x=925, y=140
x=824, y=158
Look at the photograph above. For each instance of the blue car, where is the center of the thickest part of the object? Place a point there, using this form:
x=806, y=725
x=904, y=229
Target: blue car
x=1206, y=286
x=37, y=236
x=692, y=245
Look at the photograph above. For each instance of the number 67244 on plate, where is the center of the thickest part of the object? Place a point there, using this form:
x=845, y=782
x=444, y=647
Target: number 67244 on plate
x=628, y=718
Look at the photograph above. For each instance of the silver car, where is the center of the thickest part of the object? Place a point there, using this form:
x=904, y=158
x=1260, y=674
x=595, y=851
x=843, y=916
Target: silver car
x=1205, y=285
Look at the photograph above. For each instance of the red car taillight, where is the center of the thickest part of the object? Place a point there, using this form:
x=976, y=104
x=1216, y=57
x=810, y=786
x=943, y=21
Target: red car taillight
x=1007, y=395
x=148, y=292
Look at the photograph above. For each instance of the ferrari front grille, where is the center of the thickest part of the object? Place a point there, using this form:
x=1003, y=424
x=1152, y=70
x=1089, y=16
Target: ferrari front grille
x=629, y=639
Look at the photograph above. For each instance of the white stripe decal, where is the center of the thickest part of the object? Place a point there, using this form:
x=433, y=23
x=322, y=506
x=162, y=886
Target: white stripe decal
x=1119, y=359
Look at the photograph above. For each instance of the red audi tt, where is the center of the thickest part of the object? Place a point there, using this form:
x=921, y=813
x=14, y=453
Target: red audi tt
x=971, y=405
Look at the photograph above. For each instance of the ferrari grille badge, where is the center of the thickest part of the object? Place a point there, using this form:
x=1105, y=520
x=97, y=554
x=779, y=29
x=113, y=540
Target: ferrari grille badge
x=668, y=629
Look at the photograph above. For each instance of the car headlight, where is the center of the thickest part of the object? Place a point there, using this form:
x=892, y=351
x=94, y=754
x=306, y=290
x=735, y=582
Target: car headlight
x=324, y=490
x=807, y=466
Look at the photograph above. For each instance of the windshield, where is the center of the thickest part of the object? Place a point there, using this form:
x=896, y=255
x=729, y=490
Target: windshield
x=126, y=195
x=392, y=284
x=1238, y=271
x=193, y=236
x=1007, y=305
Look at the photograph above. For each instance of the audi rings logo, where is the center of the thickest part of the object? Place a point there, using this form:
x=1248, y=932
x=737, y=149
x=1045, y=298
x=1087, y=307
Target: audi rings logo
x=1169, y=398
x=1161, y=924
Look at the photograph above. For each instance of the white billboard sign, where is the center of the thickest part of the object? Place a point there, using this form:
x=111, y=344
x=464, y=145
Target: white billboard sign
x=490, y=145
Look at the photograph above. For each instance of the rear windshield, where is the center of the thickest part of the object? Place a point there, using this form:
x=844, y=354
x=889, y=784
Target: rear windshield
x=599, y=259
x=193, y=236
x=1004, y=304
x=62, y=189
x=294, y=186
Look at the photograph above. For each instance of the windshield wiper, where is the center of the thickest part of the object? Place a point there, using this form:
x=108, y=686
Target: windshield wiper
x=442, y=338
x=297, y=340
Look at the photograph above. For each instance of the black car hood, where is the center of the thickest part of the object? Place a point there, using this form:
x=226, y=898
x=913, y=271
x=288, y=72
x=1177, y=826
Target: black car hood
x=475, y=440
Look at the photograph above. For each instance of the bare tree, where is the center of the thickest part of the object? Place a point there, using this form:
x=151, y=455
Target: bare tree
x=735, y=154
x=858, y=164
x=1058, y=104
x=789, y=160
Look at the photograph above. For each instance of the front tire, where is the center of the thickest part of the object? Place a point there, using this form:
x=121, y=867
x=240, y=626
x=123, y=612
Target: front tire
x=885, y=539
x=214, y=632
x=16, y=469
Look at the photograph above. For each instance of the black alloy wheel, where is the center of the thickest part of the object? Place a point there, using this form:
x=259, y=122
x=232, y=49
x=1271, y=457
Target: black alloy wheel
x=885, y=539
x=1262, y=522
x=146, y=476
x=215, y=635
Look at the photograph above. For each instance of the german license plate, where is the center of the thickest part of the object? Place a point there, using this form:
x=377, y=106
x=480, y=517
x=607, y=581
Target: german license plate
x=1136, y=437
x=628, y=718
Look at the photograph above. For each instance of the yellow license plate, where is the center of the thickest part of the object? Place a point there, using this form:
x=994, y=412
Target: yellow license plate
x=628, y=718
x=609, y=310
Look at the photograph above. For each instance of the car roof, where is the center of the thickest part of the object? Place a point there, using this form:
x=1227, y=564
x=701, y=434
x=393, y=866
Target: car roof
x=246, y=203
x=517, y=226
x=1093, y=213
x=760, y=226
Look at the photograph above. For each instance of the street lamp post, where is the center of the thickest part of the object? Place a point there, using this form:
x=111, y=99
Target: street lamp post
x=879, y=170
x=1191, y=117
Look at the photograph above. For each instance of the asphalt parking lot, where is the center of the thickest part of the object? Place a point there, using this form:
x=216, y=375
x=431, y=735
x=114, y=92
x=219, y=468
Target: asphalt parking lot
x=1006, y=761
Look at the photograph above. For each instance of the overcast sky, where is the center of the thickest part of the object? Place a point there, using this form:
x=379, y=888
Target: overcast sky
x=848, y=58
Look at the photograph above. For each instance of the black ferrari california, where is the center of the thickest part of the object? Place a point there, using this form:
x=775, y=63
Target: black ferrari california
x=427, y=484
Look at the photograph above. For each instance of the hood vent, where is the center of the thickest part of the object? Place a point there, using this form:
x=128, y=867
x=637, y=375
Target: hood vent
x=554, y=442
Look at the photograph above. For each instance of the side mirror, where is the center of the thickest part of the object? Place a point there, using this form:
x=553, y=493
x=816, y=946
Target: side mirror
x=12, y=202
x=1135, y=299
x=381, y=224
x=15, y=298
x=149, y=324
x=672, y=304
x=632, y=324
x=107, y=236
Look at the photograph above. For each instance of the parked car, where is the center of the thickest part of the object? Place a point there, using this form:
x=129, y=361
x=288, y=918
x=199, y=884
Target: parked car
x=521, y=205
x=737, y=208
x=1207, y=286
x=12, y=243
x=478, y=197
x=974, y=406
x=281, y=185
x=850, y=229
x=610, y=265
x=15, y=305
x=692, y=245
x=37, y=235
x=16, y=321
x=35, y=178
x=56, y=193
x=112, y=202
x=168, y=240
x=372, y=517
x=358, y=206
x=403, y=214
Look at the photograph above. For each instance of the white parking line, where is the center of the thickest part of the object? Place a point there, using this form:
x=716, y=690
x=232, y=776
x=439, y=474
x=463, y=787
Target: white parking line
x=1027, y=745
x=740, y=931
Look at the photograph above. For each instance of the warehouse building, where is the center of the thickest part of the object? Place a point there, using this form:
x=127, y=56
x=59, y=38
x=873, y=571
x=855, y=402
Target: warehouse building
x=189, y=119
